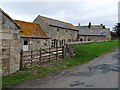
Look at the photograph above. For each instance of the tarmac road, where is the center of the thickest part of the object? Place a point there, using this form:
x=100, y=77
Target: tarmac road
x=101, y=72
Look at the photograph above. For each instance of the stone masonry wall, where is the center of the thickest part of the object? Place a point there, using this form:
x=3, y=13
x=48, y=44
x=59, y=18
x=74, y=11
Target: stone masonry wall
x=10, y=47
x=36, y=44
x=61, y=34
x=93, y=38
x=39, y=43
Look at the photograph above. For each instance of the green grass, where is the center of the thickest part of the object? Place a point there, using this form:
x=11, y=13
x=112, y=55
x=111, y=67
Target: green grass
x=84, y=54
x=8, y=81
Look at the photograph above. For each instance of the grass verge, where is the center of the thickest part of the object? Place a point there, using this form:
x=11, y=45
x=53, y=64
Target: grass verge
x=84, y=54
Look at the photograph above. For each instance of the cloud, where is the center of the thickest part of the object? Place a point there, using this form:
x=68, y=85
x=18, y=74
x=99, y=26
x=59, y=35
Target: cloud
x=73, y=11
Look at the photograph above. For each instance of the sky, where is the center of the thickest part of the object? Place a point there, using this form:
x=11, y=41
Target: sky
x=72, y=11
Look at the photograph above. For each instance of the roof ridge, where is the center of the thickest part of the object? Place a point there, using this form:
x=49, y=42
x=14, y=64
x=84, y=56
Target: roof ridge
x=91, y=25
x=54, y=19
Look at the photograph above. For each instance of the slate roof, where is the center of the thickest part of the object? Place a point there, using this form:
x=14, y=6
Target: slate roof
x=29, y=29
x=94, y=30
x=92, y=27
x=57, y=23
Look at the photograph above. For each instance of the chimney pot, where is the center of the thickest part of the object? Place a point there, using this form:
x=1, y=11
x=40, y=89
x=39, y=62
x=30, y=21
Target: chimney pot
x=79, y=24
x=89, y=26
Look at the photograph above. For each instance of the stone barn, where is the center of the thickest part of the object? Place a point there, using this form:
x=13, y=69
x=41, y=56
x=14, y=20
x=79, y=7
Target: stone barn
x=59, y=31
x=9, y=44
x=32, y=36
x=94, y=33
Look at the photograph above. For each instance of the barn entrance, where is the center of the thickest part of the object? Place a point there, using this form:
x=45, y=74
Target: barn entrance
x=57, y=43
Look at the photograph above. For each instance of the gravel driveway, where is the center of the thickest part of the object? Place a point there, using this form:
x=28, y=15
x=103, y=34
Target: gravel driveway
x=101, y=72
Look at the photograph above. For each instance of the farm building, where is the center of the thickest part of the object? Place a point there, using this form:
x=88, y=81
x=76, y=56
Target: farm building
x=93, y=33
x=32, y=36
x=9, y=44
x=59, y=31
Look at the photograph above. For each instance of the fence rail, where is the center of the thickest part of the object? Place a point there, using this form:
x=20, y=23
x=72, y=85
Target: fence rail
x=41, y=56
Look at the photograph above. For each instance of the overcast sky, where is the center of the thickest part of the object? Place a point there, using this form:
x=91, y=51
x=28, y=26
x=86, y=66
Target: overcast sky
x=74, y=11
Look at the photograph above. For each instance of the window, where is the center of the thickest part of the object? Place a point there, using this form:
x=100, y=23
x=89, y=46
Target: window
x=52, y=44
x=60, y=43
x=88, y=39
x=25, y=42
x=81, y=39
x=69, y=40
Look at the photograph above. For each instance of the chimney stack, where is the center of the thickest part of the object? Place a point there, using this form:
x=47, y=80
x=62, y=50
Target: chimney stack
x=101, y=24
x=79, y=24
x=89, y=26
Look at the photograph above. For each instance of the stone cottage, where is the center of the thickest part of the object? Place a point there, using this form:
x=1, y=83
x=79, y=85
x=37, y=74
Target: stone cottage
x=59, y=31
x=32, y=36
x=94, y=33
x=9, y=44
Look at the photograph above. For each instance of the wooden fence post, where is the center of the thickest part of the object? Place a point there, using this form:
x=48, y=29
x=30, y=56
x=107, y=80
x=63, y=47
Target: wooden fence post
x=49, y=54
x=21, y=59
x=31, y=56
x=62, y=51
x=40, y=57
x=56, y=52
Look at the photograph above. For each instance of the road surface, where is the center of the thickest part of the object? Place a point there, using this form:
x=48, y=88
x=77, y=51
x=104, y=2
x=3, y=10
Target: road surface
x=101, y=72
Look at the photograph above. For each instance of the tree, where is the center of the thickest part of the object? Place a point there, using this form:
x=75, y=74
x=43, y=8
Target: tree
x=118, y=30
x=114, y=32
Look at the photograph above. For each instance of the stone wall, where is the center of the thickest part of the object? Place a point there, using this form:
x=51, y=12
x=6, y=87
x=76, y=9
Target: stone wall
x=35, y=44
x=0, y=47
x=39, y=43
x=10, y=45
x=61, y=34
x=41, y=22
x=92, y=38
